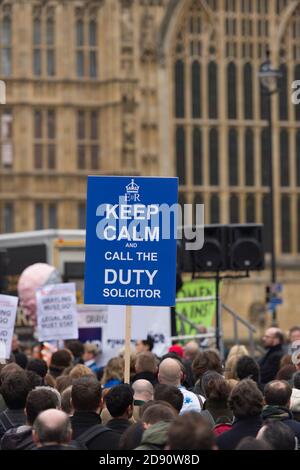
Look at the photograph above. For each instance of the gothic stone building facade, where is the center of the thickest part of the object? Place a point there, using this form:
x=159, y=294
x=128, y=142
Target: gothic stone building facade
x=153, y=87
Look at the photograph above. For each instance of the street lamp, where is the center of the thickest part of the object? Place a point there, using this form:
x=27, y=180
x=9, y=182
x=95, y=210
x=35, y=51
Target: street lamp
x=269, y=80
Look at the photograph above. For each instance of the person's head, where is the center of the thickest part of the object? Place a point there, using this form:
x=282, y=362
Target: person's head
x=247, y=368
x=169, y=394
x=273, y=337
x=204, y=361
x=38, y=400
x=66, y=401
x=14, y=389
x=215, y=387
x=119, y=401
x=246, y=400
x=144, y=345
x=113, y=370
x=294, y=334
x=143, y=390
x=191, y=350
x=76, y=347
x=170, y=372
x=38, y=366
x=132, y=437
x=35, y=380
x=145, y=362
x=286, y=372
x=250, y=443
x=86, y=394
x=52, y=427
x=15, y=343
x=296, y=380
x=236, y=352
x=80, y=370
x=278, y=435
x=158, y=412
x=36, y=351
x=191, y=432
x=60, y=360
x=278, y=393
x=177, y=349
x=91, y=351
x=63, y=382
x=9, y=369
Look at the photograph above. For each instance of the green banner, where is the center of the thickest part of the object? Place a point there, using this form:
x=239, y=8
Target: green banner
x=200, y=313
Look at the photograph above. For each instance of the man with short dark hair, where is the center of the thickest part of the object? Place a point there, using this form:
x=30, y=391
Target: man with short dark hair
x=270, y=363
x=14, y=389
x=119, y=402
x=144, y=345
x=246, y=403
x=52, y=431
x=278, y=435
x=170, y=394
x=38, y=400
x=191, y=432
x=277, y=399
x=86, y=423
x=39, y=366
x=156, y=420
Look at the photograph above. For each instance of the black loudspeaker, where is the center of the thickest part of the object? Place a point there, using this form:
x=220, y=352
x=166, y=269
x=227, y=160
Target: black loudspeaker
x=184, y=259
x=213, y=256
x=246, y=249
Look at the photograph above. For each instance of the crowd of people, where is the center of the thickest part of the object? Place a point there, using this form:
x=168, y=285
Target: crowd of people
x=189, y=399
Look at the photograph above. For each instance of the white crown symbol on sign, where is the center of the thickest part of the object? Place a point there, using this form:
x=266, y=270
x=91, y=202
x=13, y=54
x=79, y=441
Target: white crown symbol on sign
x=132, y=187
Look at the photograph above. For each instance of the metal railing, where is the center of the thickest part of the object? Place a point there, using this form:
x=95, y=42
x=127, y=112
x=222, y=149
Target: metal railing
x=237, y=319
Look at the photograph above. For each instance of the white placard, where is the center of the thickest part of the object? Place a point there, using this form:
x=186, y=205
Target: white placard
x=155, y=321
x=92, y=316
x=57, y=312
x=8, y=310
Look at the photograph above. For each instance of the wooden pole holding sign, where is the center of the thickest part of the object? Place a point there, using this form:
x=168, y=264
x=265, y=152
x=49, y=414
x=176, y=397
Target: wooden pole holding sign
x=127, y=344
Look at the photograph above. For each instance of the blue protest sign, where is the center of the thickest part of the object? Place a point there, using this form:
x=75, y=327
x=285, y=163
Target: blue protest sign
x=131, y=241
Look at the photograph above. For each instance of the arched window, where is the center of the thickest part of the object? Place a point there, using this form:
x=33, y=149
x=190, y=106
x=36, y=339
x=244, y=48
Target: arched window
x=248, y=91
x=6, y=40
x=266, y=212
x=233, y=162
x=212, y=90
x=249, y=158
x=214, y=157
x=283, y=95
x=197, y=156
x=250, y=209
x=265, y=157
x=231, y=91
x=180, y=154
x=234, y=207
x=179, y=89
x=214, y=209
x=196, y=90
x=285, y=224
x=284, y=158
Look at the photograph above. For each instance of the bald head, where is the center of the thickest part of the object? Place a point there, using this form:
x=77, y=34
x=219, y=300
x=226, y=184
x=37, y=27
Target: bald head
x=190, y=350
x=52, y=427
x=272, y=337
x=170, y=372
x=278, y=393
x=143, y=390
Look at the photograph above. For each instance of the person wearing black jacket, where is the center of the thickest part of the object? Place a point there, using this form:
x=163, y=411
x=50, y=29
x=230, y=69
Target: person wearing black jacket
x=146, y=367
x=246, y=403
x=86, y=421
x=270, y=362
x=119, y=402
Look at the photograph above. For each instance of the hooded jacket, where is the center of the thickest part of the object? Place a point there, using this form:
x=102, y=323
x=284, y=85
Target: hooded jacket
x=155, y=437
x=19, y=438
x=283, y=414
